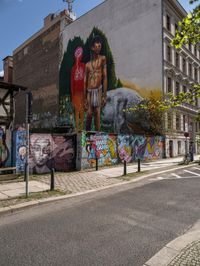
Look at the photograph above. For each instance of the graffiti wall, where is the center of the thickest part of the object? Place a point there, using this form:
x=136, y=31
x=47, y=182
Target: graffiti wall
x=104, y=69
x=19, y=151
x=5, y=147
x=103, y=146
x=111, y=149
x=52, y=151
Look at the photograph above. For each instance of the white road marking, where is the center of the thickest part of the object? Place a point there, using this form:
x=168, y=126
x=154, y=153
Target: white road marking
x=160, y=177
x=190, y=172
x=196, y=168
x=175, y=175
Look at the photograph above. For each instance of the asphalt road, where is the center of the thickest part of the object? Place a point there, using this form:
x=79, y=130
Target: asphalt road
x=124, y=225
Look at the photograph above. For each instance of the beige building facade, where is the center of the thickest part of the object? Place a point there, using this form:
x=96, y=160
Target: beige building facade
x=181, y=72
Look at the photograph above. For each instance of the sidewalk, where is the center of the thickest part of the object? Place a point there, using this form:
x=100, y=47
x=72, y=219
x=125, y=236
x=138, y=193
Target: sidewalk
x=183, y=251
x=83, y=181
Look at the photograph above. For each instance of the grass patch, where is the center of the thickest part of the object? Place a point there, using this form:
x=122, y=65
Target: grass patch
x=32, y=196
x=132, y=176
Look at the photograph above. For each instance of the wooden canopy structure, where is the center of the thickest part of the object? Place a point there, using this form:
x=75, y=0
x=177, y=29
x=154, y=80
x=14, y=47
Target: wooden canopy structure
x=7, y=109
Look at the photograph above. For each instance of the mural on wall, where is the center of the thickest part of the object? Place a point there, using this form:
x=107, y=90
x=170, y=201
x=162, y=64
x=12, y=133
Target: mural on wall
x=4, y=150
x=111, y=149
x=52, y=151
x=91, y=96
x=89, y=87
x=64, y=155
x=102, y=146
x=154, y=148
x=20, y=150
x=124, y=148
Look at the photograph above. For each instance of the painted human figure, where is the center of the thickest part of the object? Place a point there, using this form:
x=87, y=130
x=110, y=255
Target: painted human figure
x=95, y=84
x=77, y=87
x=41, y=151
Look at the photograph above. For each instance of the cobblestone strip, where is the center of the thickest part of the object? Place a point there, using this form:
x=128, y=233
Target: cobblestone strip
x=74, y=182
x=189, y=256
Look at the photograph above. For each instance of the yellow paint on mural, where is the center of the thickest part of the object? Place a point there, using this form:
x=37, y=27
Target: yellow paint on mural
x=142, y=91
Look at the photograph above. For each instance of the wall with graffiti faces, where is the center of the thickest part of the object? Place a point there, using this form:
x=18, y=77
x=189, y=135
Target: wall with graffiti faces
x=52, y=151
x=19, y=150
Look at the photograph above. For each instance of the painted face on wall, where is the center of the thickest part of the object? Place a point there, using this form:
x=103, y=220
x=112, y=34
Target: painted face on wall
x=41, y=151
x=78, y=53
x=22, y=152
x=96, y=48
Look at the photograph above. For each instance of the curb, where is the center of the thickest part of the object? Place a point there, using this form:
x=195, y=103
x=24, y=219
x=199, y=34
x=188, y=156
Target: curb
x=25, y=205
x=165, y=256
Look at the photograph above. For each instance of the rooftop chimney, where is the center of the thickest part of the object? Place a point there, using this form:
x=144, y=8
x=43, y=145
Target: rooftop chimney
x=8, y=69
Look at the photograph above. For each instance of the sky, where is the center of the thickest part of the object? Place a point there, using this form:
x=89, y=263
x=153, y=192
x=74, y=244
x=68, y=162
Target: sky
x=20, y=19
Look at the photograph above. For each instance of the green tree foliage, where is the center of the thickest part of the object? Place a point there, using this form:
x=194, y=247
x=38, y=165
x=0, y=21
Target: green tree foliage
x=189, y=28
x=112, y=80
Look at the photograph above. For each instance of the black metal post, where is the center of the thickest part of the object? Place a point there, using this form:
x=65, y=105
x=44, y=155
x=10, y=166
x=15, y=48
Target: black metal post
x=52, y=179
x=125, y=168
x=97, y=163
x=25, y=172
x=139, y=165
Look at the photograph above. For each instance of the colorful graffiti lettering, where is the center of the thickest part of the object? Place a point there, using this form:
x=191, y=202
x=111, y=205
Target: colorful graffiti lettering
x=111, y=149
x=102, y=146
x=154, y=148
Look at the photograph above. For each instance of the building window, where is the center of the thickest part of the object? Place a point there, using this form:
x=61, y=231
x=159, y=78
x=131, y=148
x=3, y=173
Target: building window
x=177, y=88
x=184, y=89
x=190, y=70
x=176, y=27
x=169, y=53
x=177, y=122
x=190, y=46
x=184, y=123
x=179, y=147
x=169, y=85
x=196, y=74
x=196, y=126
x=195, y=50
x=168, y=23
x=196, y=101
x=184, y=65
x=169, y=121
x=177, y=59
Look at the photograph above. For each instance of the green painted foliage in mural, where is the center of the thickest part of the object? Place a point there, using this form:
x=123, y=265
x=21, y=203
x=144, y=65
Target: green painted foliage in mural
x=66, y=65
x=112, y=80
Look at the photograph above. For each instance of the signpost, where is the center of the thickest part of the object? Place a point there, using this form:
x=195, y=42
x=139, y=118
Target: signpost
x=29, y=102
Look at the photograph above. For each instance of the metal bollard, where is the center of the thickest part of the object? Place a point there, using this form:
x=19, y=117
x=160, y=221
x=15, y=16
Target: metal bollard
x=125, y=168
x=97, y=164
x=52, y=179
x=139, y=168
x=25, y=172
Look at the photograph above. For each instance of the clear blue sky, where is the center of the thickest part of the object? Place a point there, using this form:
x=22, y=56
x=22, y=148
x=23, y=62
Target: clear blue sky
x=19, y=19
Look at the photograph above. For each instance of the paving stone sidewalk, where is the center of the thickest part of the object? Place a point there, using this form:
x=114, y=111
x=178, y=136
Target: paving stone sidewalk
x=80, y=182
x=189, y=256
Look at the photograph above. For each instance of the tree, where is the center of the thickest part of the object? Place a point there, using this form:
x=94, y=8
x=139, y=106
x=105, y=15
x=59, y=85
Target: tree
x=189, y=28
